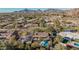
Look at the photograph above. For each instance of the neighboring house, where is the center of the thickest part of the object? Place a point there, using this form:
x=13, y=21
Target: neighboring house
x=30, y=25
x=27, y=25
x=50, y=23
x=3, y=34
x=71, y=25
x=47, y=20
x=72, y=35
x=70, y=31
x=31, y=20
x=26, y=38
x=39, y=35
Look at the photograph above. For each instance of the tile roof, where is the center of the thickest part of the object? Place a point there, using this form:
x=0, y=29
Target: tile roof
x=40, y=34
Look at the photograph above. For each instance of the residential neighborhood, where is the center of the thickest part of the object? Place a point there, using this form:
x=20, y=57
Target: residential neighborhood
x=50, y=29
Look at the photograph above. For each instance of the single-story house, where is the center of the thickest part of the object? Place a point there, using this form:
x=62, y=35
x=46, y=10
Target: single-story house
x=70, y=35
x=42, y=35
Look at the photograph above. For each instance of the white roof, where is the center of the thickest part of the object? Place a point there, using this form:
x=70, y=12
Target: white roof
x=70, y=35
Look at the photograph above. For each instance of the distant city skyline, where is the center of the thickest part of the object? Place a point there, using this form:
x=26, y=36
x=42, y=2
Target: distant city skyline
x=18, y=9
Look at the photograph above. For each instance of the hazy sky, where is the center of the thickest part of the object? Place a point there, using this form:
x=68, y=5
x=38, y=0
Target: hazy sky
x=17, y=9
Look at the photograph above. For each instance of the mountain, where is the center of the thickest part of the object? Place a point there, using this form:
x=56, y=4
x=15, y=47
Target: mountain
x=54, y=10
x=26, y=10
x=49, y=10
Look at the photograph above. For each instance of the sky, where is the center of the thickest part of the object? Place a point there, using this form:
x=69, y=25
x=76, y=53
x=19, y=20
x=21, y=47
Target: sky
x=9, y=9
x=17, y=9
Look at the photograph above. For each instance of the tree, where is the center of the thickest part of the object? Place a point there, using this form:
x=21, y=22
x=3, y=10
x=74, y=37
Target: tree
x=42, y=22
x=57, y=25
x=56, y=40
x=2, y=45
